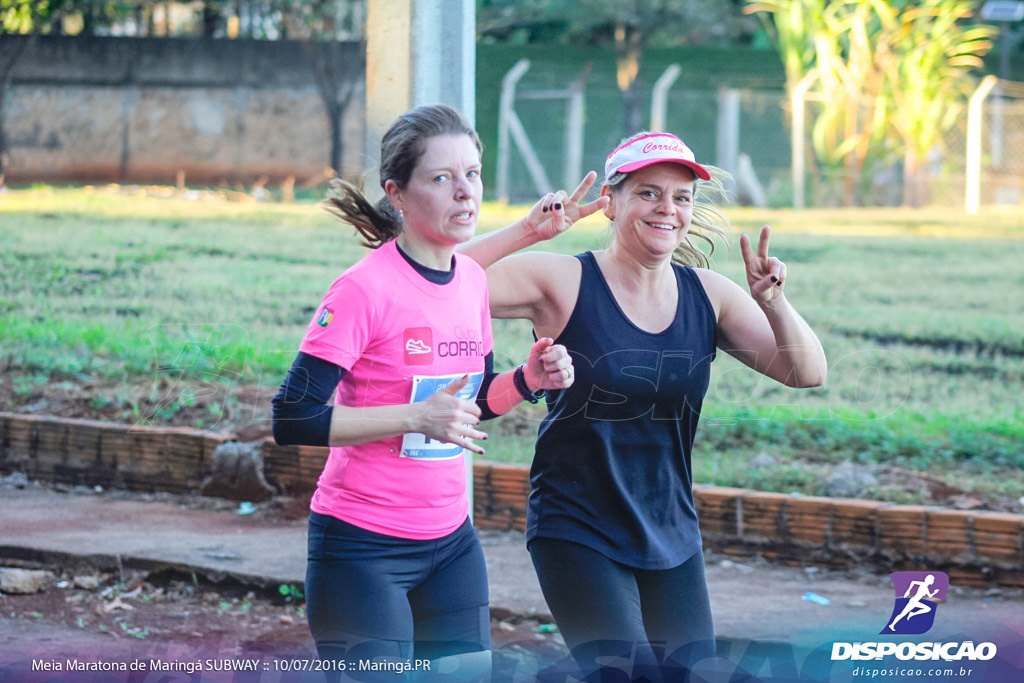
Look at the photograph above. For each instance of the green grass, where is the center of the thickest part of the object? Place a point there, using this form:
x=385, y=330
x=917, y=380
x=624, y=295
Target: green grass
x=921, y=315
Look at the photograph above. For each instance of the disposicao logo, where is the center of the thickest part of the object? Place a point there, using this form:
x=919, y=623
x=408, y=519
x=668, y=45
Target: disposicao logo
x=916, y=601
x=917, y=597
x=325, y=317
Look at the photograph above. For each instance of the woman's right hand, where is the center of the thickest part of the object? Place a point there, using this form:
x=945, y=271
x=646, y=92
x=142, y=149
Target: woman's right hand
x=556, y=211
x=448, y=418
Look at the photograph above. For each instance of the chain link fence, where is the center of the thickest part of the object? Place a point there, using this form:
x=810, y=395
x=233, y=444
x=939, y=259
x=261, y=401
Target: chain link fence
x=749, y=133
x=1002, y=146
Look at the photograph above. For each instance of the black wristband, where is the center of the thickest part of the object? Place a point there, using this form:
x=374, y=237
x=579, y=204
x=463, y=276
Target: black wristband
x=519, y=380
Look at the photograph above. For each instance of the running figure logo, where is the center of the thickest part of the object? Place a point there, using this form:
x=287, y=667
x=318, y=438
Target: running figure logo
x=917, y=595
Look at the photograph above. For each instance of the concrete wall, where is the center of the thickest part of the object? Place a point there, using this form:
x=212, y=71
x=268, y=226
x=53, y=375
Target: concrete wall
x=142, y=110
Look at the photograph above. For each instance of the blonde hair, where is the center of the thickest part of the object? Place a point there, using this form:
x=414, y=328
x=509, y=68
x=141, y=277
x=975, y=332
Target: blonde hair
x=707, y=222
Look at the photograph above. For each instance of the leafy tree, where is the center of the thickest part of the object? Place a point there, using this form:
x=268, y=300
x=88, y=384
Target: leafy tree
x=65, y=17
x=891, y=75
x=849, y=135
x=17, y=17
x=933, y=51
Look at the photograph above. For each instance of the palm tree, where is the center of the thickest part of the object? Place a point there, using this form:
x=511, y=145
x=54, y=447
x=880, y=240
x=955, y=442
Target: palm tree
x=928, y=80
x=891, y=77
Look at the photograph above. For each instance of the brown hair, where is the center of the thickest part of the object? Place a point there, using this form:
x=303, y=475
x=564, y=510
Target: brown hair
x=707, y=222
x=400, y=151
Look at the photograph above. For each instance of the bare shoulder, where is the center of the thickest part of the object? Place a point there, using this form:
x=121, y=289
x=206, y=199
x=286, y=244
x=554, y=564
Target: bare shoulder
x=543, y=268
x=719, y=288
x=538, y=285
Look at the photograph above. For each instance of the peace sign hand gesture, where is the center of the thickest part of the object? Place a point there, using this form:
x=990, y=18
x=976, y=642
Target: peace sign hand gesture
x=556, y=211
x=765, y=275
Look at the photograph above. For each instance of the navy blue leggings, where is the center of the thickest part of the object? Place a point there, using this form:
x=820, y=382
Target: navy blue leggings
x=654, y=623
x=370, y=595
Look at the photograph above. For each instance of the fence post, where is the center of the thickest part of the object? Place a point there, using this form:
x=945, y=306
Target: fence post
x=975, y=112
x=505, y=113
x=659, y=97
x=797, y=103
x=728, y=147
x=573, y=164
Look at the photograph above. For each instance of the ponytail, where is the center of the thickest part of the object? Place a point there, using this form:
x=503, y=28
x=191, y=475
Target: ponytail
x=376, y=224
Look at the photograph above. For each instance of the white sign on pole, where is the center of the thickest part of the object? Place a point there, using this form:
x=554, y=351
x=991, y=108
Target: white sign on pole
x=1002, y=10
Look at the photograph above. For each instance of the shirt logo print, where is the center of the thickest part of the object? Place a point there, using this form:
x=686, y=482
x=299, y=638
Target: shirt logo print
x=418, y=346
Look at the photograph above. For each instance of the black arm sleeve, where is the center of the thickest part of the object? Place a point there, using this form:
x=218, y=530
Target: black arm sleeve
x=301, y=414
x=485, y=386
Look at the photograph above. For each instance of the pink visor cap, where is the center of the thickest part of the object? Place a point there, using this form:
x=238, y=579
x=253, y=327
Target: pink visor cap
x=654, y=148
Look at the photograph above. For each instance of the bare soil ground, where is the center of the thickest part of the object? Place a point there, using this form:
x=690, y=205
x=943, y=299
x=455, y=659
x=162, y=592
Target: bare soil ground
x=182, y=619
x=155, y=612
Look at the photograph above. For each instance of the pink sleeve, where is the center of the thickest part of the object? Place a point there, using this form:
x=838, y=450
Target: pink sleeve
x=341, y=326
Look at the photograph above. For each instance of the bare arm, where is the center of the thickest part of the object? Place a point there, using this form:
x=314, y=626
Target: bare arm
x=548, y=367
x=443, y=417
x=763, y=330
x=548, y=218
x=534, y=285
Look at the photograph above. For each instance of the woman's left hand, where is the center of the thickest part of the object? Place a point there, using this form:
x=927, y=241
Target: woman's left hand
x=548, y=367
x=557, y=211
x=765, y=275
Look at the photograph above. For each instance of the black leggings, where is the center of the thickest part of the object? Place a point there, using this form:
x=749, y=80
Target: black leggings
x=372, y=596
x=658, y=619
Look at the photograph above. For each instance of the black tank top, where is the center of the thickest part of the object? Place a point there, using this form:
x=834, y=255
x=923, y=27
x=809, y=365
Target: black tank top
x=612, y=463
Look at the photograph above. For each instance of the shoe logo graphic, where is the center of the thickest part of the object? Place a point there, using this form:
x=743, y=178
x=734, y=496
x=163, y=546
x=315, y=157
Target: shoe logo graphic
x=418, y=346
x=415, y=346
x=917, y=598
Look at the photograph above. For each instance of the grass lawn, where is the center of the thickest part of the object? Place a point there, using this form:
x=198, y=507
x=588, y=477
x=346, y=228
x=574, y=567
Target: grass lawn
x=140, y=305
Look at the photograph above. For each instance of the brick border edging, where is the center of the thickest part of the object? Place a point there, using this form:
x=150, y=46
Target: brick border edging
x=975, y=548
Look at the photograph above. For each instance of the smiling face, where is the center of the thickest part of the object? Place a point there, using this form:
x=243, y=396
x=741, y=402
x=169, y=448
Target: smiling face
x=441, y=202
x=652, y=209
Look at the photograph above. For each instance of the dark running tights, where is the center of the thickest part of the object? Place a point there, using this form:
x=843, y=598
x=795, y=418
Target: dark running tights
x=371, y=596
x=651, y=624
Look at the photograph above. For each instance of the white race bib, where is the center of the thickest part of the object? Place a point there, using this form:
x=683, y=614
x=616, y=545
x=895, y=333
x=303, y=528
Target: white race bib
x=420, y=446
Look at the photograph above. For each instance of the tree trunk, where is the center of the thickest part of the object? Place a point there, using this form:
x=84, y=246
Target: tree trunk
x=8, y=59
x=913, y=182
x=332, y=74
x=337, y=146
x=210, y=20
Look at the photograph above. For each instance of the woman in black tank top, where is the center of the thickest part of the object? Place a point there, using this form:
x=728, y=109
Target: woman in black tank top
x=611, y=524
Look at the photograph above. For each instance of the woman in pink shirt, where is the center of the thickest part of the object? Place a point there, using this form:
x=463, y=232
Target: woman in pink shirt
x=395, y=572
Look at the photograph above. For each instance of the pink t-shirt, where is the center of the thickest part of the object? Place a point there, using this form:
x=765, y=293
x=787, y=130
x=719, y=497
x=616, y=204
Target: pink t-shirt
x=400, y=338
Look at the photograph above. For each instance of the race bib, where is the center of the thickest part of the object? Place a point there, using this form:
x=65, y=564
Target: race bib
x=420, y=446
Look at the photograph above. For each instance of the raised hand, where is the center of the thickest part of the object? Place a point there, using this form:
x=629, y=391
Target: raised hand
x=451, y=419
x=766, y=275
x=548, y=366
x=557, y=211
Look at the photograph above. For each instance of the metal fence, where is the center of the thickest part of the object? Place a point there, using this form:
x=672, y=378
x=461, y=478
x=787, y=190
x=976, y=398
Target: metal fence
x=750, y=133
